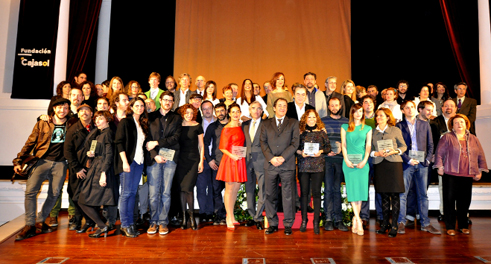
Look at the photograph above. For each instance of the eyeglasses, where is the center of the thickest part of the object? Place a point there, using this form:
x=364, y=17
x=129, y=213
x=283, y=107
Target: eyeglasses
x=167, y=100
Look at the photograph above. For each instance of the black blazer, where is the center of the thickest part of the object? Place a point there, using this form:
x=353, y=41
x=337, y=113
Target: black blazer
x=280, y=143
x=292, y=110
x=438, y=128
x=166, y=130
x=423, y=137
x=126, y=138
x=469, y=109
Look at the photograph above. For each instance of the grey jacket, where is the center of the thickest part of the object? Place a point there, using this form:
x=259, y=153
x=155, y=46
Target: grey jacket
x=391, y=132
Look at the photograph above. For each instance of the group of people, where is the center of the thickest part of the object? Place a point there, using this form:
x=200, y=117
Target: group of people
x=147, y=152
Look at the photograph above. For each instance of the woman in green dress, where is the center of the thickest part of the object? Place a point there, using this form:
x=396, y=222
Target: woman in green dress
x=356, y=150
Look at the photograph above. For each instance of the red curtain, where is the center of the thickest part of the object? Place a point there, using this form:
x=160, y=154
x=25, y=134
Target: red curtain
x=451, y=18
x=84, y=16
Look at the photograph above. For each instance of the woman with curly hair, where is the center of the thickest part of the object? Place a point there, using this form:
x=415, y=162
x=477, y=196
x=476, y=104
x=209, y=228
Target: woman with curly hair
x=190, y=161
x=311, y=165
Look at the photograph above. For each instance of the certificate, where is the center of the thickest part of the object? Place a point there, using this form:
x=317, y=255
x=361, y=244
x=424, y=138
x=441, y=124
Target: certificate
x=167, y=154
x=385, y=144
x=336, y=147
x=93, y=146
x=355, y=158
x=239, y=151
x=417, y=155
x=310, y=148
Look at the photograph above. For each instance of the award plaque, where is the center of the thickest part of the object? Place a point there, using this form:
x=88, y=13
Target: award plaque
x=310, y=148
x=355, y=158
x=336, y=147
x=167, y=154
x=93, y=146
x=385, y=144
x=239, y=151
x=417, y=155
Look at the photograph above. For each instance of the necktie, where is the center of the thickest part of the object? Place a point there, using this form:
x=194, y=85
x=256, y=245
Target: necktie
x=279, y=124
x=459, y=104
x=88, y=127
x=252, y=132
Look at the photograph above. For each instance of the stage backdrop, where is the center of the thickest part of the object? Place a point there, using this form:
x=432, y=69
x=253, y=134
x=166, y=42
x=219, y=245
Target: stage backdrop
x=231, y=40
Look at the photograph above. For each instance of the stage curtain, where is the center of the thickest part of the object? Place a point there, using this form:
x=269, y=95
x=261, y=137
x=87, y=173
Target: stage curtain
x=229, y=41
x=84, y=16
x=457, y=22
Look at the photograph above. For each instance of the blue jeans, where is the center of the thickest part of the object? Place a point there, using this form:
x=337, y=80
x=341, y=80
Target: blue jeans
x=160, y=176
x=204, y=190
x=419, y=175
x=129, y=185
x=55, y=173
x=332, y=191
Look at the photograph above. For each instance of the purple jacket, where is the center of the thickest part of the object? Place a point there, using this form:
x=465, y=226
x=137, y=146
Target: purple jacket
x=448, y=154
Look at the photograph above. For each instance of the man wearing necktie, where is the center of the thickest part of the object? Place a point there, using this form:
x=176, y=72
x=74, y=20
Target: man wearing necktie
x=279, y=141
x=466, y=105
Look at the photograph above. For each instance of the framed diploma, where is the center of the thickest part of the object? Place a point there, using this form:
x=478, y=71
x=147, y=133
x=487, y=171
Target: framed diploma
x=355, y=158
x=385, y=144
x=417, y=155
x=239, y=151
x=167, y=154
x=310, y=148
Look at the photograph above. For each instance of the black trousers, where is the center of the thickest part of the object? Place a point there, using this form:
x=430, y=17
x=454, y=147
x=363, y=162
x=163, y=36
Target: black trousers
x=311, y=181
x=457, y=195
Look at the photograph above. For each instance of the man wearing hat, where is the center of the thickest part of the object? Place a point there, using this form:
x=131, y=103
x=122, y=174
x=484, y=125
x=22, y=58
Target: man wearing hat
x=74, y=141
x=46, y=142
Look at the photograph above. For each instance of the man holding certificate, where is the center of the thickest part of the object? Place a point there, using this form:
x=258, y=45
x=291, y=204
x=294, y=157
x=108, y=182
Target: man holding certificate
x=418, y=138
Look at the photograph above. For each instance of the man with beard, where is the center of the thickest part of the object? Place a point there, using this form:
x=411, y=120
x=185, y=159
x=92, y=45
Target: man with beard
x=213, y=157
x=334, y=170
x=75, y=139
x=330, y=84
x=402, y=92
x=315, y=97
x=205, y=179
x=164, y=131
x=439, y=126
x=46, y=143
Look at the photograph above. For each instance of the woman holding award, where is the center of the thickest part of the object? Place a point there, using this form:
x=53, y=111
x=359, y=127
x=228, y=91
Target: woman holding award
x=356, y=138
x=190, y=161
x=313, y=142
x=232, y=169
x=387, y=147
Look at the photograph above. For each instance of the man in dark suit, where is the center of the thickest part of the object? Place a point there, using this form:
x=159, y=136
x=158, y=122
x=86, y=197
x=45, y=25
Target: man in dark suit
x=254, y=165
x=402, y=92
x=298, y=107
x=417, y=135
x=466, y=105
x=279, y=141
x=439, y=127
x=267, y=89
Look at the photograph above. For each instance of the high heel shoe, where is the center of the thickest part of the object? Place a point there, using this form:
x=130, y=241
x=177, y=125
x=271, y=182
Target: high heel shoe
x=192, y=221
x=184, y=224
x=354, y=226
x=99, y=232
x=236, y=223
x=360, y=230
x=383, y=228
x=393, y=231
x=87, y=227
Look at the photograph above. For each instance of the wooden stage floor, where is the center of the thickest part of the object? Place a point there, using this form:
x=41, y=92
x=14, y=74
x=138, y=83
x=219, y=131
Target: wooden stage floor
x=214, y=244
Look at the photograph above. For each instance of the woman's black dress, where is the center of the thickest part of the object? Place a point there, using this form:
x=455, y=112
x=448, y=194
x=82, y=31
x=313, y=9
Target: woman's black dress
x=187, y=164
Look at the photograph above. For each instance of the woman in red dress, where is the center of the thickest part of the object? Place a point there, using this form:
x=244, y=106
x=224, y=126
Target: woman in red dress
x=232, y=169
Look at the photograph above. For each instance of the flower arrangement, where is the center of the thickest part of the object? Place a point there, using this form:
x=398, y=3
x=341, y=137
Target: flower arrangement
x=346, y=207
x=240, y=208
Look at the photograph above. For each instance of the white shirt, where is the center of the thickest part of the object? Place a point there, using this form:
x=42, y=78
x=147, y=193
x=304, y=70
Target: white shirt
x=154, y=92
x=182, y=98
x=139, y=143
x=256, y=125
x=244, y=106
x=300, y=111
